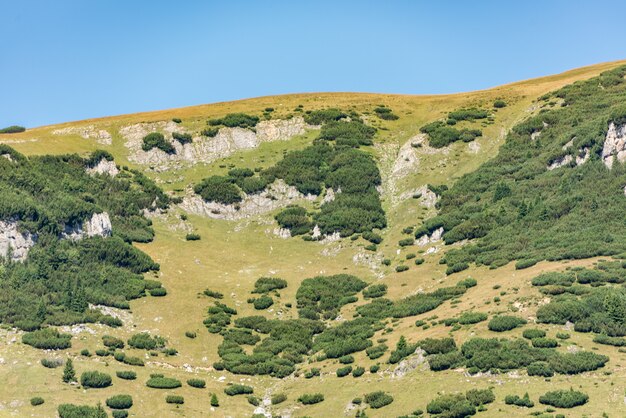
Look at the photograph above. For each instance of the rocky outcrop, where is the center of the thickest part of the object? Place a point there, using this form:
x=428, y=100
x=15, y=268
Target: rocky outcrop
x=432, y=238
x=560, y=162
x=407, y=160
x=277, y=195
x=614, y=145
x=104, y=167
x=87, y=132
x=204, y=149
x=14, y=243
x=99, y=225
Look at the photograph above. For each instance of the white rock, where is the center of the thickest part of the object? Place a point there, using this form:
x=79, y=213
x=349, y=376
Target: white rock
x=560, y=162
x=16, y=242
x=104, y=167
x=98, y=225
x=614, y=145
x=204, y=149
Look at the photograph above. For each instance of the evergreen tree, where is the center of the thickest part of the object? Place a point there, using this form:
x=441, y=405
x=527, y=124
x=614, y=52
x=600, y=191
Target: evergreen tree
x=69, y=374
x=214, y=401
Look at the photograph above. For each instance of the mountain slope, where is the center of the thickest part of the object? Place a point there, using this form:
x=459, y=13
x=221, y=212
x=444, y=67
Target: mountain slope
x=341, y=294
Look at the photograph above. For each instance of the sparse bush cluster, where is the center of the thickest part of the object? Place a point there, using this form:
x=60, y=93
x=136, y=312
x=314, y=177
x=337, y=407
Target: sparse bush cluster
x=441, y=135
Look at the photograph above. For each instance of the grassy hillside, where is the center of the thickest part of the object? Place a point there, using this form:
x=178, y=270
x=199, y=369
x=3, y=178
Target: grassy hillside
x=237, y=248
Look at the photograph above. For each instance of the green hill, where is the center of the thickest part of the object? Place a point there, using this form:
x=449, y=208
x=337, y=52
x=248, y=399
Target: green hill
x=322, y=255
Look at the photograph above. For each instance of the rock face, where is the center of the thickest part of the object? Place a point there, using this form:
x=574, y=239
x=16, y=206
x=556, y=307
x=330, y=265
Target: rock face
x=98, y=225
x=87, y=132
x=15, y=242
x=277, y=195
x=614, y=145
x=429, y=239
x=204, y=149
x=560, y=162
x=104, y=167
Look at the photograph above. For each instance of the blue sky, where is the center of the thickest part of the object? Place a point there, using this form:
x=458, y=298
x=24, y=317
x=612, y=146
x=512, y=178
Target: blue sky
x=65, y=60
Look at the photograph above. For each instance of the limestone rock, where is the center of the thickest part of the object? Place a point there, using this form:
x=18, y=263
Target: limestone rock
x=87, y=132
x=614, y=145
x=98, y=225
x=204, y=149
x=15, y=242
x=277, y=195
x=104, y=167
x=432, y=238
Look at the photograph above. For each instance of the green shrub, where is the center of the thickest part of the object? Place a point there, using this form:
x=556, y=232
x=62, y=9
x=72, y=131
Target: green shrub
x=540, y=368
x=192, y=237
x=346, y=359
x=213, y=294
x=233, y=120
x=36, y=401
x=503, y=323
x=401, y=268
x=295, y=219
x=517, y=401
x=12, y=129
x=162, y=382
x=375, y=291
x=523, y=264
x=126, y=374
x=544, y=343
x=175, y=399
x=112, y=342
x=182, y=138
x=372, y=237
x=196, y=383
x=452, y=405
x=214, y=401
x=437, y=346
x=385, y=113
x=158, y=292
x=564, y=398
x=119, y=413
x=263, y=302
x=268, y=284
x=533, y=333
x=47, y=339
x=419, y=261
x=237, y=389
x=378, y=399
x=278, y=398
x=479, y=397
x=177, y=120
x=311, y=398
x=344, y=371
x=51, y=363
x=144, y=341
x=358, y=371
x=120, y=402
x=218, y=189
x=498, y=104
x=374, y=368
x=606, y=340
x=157, y=140
x=81, y=411
x=94, y=379
x=210, y=132
x=376, y=351
x=467, y=318
x=322, y=116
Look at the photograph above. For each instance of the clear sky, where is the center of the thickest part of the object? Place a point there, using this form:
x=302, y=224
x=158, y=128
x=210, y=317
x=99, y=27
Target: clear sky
x=65, y=60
